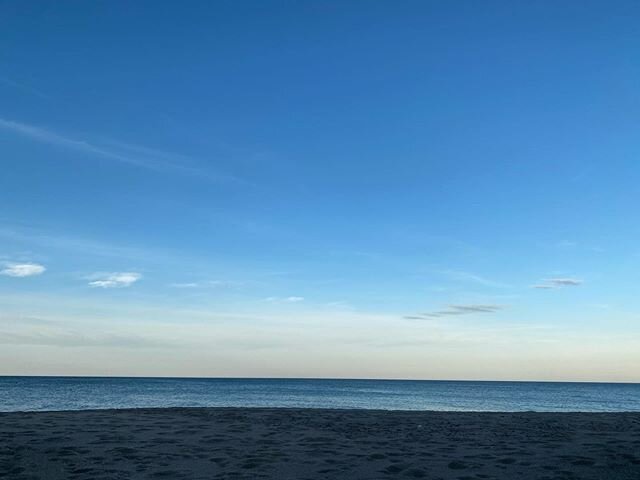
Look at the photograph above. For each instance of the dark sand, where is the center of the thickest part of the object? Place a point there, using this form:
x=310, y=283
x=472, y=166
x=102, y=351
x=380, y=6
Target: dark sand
x=229, y=443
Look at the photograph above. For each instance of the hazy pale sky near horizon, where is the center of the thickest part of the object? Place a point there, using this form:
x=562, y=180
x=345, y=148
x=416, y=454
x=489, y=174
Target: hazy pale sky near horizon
x=320, y=189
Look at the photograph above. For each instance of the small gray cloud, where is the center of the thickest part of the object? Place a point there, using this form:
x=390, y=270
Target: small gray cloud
x=454, y=310
x=565, y=281
x=462, y=309
x=558, y=282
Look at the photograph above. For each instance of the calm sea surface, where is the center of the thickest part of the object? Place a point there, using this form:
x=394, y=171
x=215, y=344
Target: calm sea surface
x=76, y=393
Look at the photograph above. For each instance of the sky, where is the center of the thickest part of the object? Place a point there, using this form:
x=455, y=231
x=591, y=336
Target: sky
x=344, y=189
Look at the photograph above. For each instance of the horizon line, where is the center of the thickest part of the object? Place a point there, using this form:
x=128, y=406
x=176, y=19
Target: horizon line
x=162, y=377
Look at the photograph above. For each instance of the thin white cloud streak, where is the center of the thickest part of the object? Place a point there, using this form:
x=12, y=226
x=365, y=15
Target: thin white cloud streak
x=292, y=299
x=47, y=136
x=185, y=285
x=116, y=280
x=463, y=276
x=23, y=270
x=25, y=88
x=41, y=240
x=13, y=320
x=65, y=332
x=129, y=154
x=339, y=304
x=78, y=339
x=566, y=244
x=76, y=244
x=223, y=284
x=207, y=284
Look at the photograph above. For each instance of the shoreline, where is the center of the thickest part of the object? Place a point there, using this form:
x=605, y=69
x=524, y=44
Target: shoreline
x=313, y=443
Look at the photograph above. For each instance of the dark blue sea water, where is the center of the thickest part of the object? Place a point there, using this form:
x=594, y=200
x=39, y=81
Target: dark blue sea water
x=76, y=393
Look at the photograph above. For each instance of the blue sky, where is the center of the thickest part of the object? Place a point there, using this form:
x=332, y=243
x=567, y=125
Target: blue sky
x=344, y=189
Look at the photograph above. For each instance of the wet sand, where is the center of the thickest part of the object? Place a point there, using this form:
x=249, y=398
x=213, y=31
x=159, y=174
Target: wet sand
x=231, y=443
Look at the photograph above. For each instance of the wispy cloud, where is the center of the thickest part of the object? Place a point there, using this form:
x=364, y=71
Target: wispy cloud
x=24, y=87
x=569, y=244
x=185, y=285
x=566, y=244
x=77, y=339
x=462, y=276
x=339, y=304
x=42, y=238
x=291, y=299
x=294, y=299
x=563, y=282
x=22, y=269
x=208, y=284
x=454, y=310
x=125, y=153
x=223, y=284
x=22, y=320
x=552, y=283
x=464, y=309
x=115, y=280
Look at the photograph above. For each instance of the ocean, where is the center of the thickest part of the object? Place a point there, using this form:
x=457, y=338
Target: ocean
x=79, y=393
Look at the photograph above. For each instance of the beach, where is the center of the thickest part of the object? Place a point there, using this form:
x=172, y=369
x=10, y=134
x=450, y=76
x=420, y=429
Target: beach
x=270, y=443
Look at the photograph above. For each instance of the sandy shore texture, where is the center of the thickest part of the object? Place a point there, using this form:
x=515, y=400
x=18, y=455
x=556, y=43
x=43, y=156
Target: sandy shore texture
x=230, y=443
